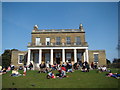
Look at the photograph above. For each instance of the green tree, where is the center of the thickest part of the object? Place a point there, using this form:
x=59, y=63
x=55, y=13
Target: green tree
x=6, y=58
x=108, y=61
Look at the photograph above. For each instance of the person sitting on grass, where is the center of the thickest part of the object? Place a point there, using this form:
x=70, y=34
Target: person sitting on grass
x=69, y=67
x=50, y=75
x=15, y=73
x=31, y=66
x=4, y=71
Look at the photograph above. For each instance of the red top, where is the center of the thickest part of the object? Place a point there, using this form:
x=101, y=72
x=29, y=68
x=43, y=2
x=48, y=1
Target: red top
x=63, y=68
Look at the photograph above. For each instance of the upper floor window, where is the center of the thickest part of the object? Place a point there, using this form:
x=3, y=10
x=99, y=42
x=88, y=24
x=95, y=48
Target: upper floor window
x=47, y=41
x=68, y=40
x=78, y=41
x=37, y=41
x=20, y=59
x=58, y=40
x=96, y=57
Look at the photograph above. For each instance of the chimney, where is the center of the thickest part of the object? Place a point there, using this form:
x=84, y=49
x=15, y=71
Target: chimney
x=81, y=27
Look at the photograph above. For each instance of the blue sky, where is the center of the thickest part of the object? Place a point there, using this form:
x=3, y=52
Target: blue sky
x=100, y=21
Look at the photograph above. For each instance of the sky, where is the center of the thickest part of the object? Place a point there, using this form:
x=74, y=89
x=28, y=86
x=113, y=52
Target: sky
x=99, y=19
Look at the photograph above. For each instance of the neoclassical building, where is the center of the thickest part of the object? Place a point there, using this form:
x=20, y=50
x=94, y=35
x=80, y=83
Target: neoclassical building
x=58, y=46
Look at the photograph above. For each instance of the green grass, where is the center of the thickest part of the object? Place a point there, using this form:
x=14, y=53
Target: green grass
x=77, y=79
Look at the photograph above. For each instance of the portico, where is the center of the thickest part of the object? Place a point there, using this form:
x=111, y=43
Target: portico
x=67, y=53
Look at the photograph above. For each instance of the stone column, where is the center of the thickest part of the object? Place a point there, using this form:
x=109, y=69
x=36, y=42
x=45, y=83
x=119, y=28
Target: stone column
x=51, y=60
x=87, y=59
x=28, y=59
x=63, y=55
x=40, y=56
x=75, y=56
x=84, y=56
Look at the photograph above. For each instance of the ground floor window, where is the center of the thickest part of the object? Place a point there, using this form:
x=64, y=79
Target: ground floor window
x=96, y=57
x=20, y=59
x=36, y=57
x=79, y=56
x=58, y=55
x=68, y=56
x=47, y=57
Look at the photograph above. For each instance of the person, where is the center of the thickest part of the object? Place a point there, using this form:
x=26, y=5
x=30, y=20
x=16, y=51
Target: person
x=95, y=65
x=31, y=66
x=87, y=67
x=8, y=69
x=24, y=70
x=42, y=67
x=4, y=71
x=50, y=75
x=92, y=65
x=115, y=75
x=70, y=67
x=0, y=68
x=15, y=73
x=12, y=67
x=104, y=68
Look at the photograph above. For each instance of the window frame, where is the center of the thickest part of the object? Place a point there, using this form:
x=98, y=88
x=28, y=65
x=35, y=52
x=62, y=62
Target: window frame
x=95, y=57
x=59, y=40
x=68, y=41
x=19, y=58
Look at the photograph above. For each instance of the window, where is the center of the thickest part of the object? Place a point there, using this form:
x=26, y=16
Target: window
x=68, y=40
x=58, y=55
x=36, y=57
x=47, y=41
x=68, y=56
x=79, y=56
x=47, y=57
x=58, y=40
x=37, y=41
x=20, y=59
x=96, y=57
x=78, y=41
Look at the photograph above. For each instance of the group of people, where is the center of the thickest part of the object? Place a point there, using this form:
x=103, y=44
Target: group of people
x=15, y=72
x=62, y=69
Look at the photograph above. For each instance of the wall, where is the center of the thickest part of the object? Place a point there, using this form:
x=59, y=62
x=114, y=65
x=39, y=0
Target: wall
x=102, y=56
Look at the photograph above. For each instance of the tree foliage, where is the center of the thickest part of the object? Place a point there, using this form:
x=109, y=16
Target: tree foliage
x=6, y=57
x=108, y=61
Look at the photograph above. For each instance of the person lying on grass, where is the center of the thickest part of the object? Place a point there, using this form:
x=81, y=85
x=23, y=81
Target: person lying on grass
x=115, y=75
x=50, y=75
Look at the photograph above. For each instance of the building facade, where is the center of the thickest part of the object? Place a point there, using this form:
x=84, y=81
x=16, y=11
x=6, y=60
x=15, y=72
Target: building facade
x=58, y=46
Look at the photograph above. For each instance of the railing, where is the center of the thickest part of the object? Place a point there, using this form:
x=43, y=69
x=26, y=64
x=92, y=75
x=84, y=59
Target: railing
x=59, y=30
x=59, y=44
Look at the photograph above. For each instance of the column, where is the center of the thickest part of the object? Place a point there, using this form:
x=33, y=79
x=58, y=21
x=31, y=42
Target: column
x=40, y=56
x=28, y=59
x=75, y=56
x=84, y=56
x=87, y=59
x=51, y=57
x=63, y=55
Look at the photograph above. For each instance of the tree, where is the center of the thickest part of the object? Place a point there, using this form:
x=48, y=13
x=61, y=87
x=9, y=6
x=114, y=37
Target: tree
x=108, y=61
x=6, y=58
x=116, y=63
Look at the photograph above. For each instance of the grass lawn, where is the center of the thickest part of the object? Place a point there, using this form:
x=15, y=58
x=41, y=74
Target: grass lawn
x=77, y=79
